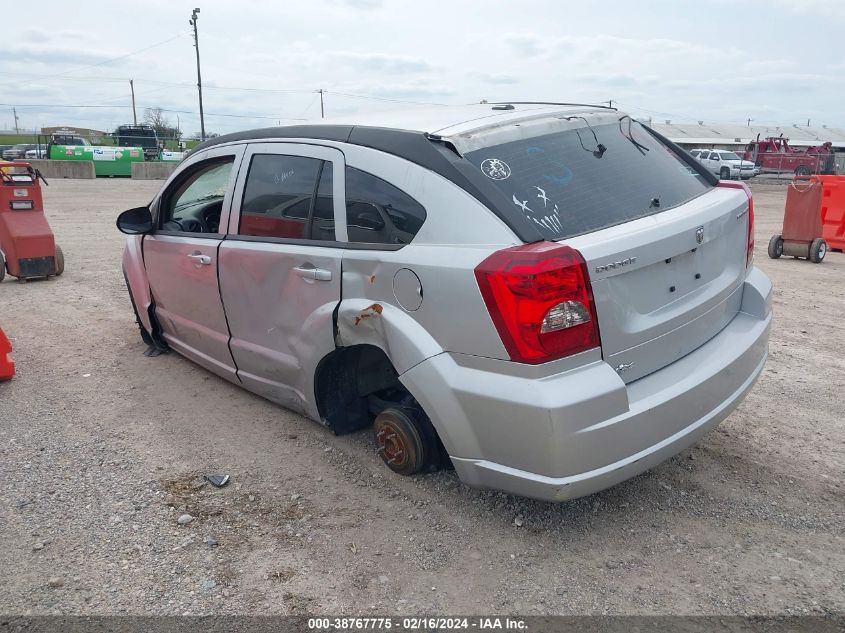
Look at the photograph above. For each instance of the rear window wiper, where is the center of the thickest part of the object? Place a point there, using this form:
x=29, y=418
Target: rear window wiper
x=630, y=135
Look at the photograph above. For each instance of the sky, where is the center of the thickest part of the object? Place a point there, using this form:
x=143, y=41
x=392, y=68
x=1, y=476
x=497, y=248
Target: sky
x=721, y=61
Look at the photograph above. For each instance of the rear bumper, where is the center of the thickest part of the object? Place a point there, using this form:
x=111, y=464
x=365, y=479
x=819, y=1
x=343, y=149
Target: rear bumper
x=577, y=432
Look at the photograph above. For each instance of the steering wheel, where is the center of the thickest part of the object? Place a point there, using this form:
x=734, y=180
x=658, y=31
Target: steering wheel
x=190, y=225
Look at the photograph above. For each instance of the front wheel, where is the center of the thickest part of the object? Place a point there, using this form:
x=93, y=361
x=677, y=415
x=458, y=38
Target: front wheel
x=802, y=170
x=818, y=249
x=60, y=261
x=725, y=173
x=776, y=246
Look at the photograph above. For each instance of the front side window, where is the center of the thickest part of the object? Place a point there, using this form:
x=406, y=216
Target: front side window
x=194, y=203
x=379, y=213
x=288, y=197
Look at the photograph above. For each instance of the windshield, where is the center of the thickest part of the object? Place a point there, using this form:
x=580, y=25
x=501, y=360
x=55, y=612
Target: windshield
x=569, y=183
x=729, y=156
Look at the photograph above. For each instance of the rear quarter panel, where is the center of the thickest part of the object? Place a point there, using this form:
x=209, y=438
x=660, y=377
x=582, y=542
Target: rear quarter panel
x=459, y=232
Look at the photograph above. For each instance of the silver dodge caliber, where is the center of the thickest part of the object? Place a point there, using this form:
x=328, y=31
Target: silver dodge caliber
x=550, y=298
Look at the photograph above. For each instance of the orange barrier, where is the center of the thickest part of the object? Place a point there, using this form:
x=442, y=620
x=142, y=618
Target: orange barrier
x=7, y=365
x=833, y=211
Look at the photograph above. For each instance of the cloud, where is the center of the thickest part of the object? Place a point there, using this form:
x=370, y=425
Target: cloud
x=494, y=78
x=527, y=44
x=359, y=4
x=409, y=91
x=826, y=8
x=379, y=62
x=51, y=55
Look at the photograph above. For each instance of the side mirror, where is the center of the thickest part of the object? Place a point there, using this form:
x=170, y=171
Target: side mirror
x=137, y=221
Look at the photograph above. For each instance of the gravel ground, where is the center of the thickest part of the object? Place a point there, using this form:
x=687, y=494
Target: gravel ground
x=101, y=452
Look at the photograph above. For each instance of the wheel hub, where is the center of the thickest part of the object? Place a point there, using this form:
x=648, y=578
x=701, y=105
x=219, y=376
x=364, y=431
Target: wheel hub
x=391, y=446
x=398, y=441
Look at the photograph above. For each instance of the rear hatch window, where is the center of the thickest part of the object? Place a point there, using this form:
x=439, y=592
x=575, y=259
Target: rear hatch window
x=588, y=178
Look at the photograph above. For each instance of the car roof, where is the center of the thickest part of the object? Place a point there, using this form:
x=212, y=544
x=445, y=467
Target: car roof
x=429, y=120
x=446, y=120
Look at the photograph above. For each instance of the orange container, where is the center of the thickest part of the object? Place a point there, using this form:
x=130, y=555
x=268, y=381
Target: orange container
x=801, y=217
x=833, y=211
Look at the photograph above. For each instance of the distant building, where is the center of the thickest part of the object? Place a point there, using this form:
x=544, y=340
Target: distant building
x=79, y=131
x=736, y=137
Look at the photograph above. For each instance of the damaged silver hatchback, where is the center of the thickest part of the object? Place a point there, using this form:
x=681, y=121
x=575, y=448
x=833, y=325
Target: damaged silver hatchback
x=551, y=298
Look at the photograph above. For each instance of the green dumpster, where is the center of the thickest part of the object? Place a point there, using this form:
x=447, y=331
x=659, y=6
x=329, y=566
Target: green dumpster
x=108, y=160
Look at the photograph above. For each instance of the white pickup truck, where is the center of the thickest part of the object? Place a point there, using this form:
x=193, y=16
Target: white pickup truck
x=726, y=165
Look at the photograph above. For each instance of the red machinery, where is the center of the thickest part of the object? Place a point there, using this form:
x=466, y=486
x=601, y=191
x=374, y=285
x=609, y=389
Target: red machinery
x=7, y=365
x=774, y=155
x=27, y=247
x=802, y=222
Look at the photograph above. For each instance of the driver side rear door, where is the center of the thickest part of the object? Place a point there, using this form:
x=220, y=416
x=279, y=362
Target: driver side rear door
x=180, y=258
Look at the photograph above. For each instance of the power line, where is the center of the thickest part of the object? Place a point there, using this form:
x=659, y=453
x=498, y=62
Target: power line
x=371, y=98
x=170, y=110
x=124, y=56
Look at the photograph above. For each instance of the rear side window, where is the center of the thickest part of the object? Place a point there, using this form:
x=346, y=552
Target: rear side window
x=280, y=195
x=566, y=185
x=379, y=213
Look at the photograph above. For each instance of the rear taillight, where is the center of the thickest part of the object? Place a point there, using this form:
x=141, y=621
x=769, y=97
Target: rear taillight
x=749, y=252
x=540, y=300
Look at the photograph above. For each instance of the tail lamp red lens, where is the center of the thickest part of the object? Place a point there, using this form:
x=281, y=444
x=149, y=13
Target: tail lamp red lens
x=732, y=184
x=540, y=300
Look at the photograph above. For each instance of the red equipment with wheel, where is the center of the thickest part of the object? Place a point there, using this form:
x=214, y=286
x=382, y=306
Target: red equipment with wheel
x=802, y=222
x=7, y=365
x=27, y=247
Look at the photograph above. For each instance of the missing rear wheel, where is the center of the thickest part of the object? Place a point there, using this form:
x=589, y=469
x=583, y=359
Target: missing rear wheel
x=405, y=441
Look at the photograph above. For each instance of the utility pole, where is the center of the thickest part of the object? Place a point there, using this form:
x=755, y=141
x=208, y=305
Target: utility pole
x=15, y=114
x=322, y=110
x=134, y=115
x=610, y=103
x=193, y=22
x=748, y=123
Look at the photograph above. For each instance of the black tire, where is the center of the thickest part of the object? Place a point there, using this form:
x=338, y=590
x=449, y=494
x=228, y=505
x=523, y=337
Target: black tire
x=725, y=173
x=406, y=441
x=776, y=246
x=60, y=261
x=2, y=267
x=818, y=249
x=803, y=170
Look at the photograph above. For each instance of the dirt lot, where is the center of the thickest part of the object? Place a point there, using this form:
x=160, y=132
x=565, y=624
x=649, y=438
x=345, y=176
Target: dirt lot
x=101, y=449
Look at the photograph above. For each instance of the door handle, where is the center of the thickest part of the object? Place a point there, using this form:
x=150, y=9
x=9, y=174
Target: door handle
x=308, y=271
x=199, y=258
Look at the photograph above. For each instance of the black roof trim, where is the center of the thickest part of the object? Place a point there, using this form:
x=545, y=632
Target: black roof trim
x=323, y=132
x=412, y=146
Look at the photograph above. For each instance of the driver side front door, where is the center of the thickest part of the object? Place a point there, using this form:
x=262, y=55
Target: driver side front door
x=181, y=258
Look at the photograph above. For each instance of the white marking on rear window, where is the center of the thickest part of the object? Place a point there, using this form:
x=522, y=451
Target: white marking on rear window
x=496, y=169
